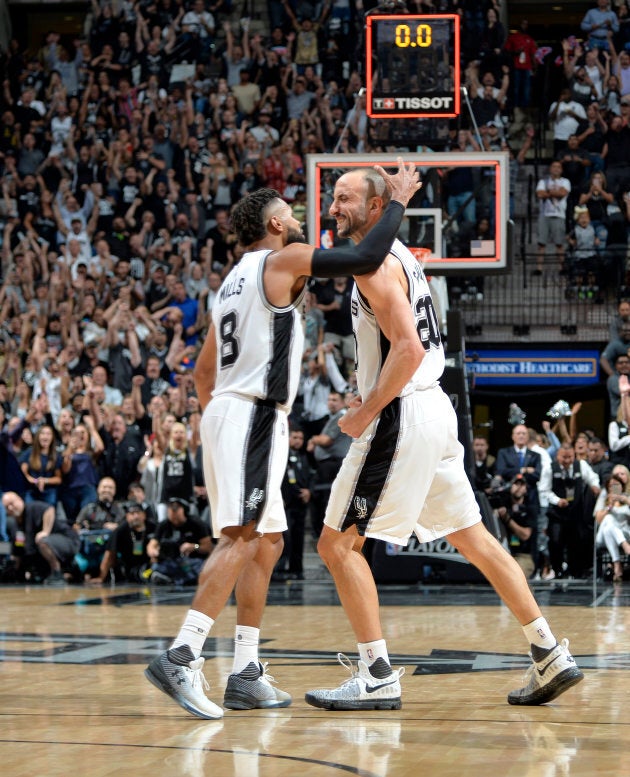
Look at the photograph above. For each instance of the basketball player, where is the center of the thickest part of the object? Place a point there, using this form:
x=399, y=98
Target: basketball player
x=246, y=377
x=404, y=471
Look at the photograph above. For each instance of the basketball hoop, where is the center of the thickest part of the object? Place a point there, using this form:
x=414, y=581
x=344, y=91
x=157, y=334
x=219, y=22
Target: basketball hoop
x=421, y=253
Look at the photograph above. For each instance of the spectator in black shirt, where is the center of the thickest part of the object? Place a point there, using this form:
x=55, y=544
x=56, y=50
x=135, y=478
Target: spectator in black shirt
x=519, y=521
x=126, y=552
x=47, y=537
x=484, y=465
x=153, y=380
x=103, y=513
x=118, y=239
x=598, y=459
x=223, y=240
x=591, y=136
x=120, y=456
x=26, y=115
x=617, y=155
x=334, y=300
x=576, y=165
x=297, y=486
x=28, y=196
x=156, y=290
x=179, y=546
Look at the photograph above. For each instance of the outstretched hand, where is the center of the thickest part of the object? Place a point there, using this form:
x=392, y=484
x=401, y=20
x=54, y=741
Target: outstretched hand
x=403, y=184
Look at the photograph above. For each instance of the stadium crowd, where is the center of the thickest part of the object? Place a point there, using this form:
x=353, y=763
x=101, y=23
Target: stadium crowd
x=121, y=155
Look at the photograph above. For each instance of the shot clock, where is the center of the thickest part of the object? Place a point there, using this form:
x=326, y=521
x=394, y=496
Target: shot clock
x=412, y=66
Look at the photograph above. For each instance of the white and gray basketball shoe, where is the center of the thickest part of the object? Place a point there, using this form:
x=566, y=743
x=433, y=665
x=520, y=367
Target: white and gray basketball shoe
x=361, y=691
x=552, y=672
x=252, y=689
x=178, y=674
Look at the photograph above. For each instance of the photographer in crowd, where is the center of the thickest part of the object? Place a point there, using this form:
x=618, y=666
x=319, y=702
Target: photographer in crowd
x=179, y=546
x=518, y=520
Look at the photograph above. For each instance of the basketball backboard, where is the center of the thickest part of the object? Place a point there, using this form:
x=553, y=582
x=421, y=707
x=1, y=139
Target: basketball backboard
x=441, y=225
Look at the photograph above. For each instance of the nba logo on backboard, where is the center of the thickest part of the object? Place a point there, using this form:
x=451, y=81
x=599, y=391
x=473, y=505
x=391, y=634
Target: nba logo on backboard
x=327, y=238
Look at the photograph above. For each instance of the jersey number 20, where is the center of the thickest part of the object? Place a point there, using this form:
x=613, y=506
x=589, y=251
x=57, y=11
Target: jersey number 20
x=427, y=326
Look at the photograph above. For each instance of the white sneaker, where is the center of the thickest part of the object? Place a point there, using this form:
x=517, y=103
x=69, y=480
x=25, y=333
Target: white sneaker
x=361, y=691
x=552, y=672
x=178, y=674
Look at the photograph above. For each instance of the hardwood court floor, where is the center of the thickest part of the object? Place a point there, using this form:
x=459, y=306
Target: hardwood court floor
x=73, y=699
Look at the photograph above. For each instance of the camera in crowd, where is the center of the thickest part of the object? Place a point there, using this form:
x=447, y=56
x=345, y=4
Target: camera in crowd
x=499, y=492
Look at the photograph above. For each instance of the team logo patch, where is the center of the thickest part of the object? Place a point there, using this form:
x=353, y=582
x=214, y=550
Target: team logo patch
x=360, y=507
x=255, y=498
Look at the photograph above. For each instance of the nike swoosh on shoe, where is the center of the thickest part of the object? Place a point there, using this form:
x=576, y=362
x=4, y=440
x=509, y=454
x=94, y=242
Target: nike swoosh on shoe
x=541, y=672
x=373, y=688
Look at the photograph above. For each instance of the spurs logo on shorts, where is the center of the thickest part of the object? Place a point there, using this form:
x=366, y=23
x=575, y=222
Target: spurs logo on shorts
x=360, y=507
x=255, y=498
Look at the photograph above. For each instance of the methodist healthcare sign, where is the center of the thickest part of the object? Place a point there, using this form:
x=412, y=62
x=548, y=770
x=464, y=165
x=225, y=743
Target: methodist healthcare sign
x=533, y=368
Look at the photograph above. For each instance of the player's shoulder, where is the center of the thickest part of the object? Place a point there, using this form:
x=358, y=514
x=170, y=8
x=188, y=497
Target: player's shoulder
x=380, y=283
x=287, y=257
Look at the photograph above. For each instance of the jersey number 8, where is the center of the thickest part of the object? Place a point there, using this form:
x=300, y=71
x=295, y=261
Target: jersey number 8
x=229, y=340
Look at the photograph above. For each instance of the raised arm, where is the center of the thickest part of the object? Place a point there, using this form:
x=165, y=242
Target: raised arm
x=300, y=260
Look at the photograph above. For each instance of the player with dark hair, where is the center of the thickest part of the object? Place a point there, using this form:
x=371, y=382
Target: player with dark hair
x=246, y=377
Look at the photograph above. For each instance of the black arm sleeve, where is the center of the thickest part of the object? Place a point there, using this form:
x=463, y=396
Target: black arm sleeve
x=366, y=256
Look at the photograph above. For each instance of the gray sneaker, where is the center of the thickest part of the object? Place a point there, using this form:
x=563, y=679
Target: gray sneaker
x=178, y=674
x=252, y=689
x=361, y=691
x=552, y=672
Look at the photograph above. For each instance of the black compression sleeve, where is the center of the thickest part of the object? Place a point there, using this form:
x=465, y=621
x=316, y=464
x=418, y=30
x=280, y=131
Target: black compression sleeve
x=366, y=256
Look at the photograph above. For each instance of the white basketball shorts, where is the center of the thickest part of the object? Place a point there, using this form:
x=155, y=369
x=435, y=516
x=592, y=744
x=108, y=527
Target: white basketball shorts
x=405, y=474
x=245, y=448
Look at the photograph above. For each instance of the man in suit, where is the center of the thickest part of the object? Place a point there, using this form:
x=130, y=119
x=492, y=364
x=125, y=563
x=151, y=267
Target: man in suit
x=518, y=459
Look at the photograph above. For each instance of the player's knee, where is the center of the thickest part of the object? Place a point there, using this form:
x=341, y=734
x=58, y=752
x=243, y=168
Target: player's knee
x=276, y=544
x=326, y=545
x=331, y=547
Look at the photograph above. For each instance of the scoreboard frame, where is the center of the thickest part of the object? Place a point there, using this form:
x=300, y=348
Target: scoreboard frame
x=413, y=33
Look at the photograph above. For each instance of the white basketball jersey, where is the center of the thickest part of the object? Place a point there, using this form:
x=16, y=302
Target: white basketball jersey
x=373, y=346
x=259, y=346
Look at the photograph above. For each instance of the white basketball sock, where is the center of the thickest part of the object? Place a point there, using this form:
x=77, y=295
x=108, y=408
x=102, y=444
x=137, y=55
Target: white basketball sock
x=194, y=631
x=246, y=640
x=369, y=652
x=538, y=633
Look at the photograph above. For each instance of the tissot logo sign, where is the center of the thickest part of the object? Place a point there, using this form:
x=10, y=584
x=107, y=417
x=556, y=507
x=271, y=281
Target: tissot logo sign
x=413, y=104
